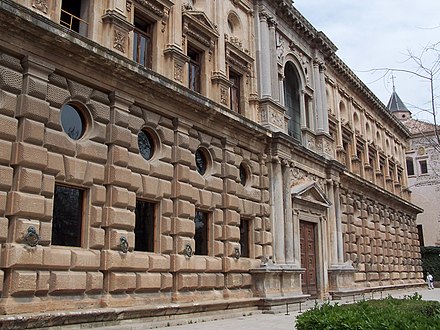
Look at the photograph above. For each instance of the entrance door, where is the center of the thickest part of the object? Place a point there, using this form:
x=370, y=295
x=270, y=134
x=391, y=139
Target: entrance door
x=308, y=258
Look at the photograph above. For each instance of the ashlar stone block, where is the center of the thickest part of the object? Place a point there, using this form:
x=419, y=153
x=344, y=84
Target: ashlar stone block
x=22, y=282
x=148, y=281
x=65, y=281
x=122, y=282
x=95, y=282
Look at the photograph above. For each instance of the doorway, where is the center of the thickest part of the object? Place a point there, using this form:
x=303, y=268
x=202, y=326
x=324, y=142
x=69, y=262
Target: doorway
x=308, y=258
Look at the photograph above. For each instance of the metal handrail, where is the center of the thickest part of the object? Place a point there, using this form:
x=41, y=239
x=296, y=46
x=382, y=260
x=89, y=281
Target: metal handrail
x=72, y=19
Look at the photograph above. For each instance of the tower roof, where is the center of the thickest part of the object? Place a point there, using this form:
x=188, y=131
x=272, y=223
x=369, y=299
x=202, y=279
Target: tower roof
x=396, y=104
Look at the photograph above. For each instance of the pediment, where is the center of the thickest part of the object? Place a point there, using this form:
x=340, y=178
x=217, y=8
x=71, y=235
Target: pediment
x=310, y=192
x=198, y=27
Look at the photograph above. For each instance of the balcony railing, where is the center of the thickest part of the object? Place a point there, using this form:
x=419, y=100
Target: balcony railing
x=73, y=22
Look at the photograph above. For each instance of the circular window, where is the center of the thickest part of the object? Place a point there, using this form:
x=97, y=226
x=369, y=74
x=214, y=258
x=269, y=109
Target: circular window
x=146, y=145
x=243, y=171
x=73, y=121
x=201, y=161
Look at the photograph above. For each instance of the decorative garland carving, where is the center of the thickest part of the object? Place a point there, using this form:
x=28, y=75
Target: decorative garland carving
x=40, y=5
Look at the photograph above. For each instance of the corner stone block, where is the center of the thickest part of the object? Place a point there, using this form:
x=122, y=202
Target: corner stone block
x=98, y=195
x=232, y=217
x=234, y=280
x=118, y=135
x=95, y=173
x=20, y=227
x=48, y=186
x=232, y=233
x=183, y=173
x=148, y=281
x=119, y=218
x=207, y=281
x=183, y=156
x=166, y=244
x=94, y=282
x=159, y=263
x=45, y=233
x=43, y=278
x=115, y=239
x=75, y=170
x=183, y=227
x=25, y=205
x=180, y=263
x=231, y=186
x=95, y=215
x=231, y=201
x=32, y=108
x=32, y=131
x=6, y=174
x=166, y=226
x=8, y=101
x=183, y=190
x=130, y=261
x=214, y=264
x=167, y=207
x=56, y=258
x=118, y=176
x=166, y=281
x=122, y=282
x=5, y=152
x=205, y=198
x=185, y=209
x=218, y=249
x=22, y=282
x=119, y=197
x=187, y=281
x=3, y=229
x=218, y=232
x=85, y=260
x=119, y=155
x=63, y=282
x=97, y=238
x=9, y=127
x=18, y=255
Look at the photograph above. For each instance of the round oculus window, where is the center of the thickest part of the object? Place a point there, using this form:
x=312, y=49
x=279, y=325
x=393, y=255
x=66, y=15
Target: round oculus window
x=201, y=162
x=146, y=145
x=73, y=121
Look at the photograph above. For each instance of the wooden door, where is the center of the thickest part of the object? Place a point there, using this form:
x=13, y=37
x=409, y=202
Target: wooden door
x=308, y=258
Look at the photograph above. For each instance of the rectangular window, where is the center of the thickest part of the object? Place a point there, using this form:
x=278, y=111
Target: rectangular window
x=423, y=167
x=74, y=15
x=194, y=69
x=244, y=238
x=234, y=93
x=201, y=233
x=67, y=216
x=420, y=232
x=410, y=166
x=142, y=43
x=144, y=226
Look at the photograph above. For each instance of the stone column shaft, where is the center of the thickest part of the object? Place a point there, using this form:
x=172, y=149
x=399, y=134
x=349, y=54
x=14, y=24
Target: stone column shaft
x=278, y=212
x=288, y=234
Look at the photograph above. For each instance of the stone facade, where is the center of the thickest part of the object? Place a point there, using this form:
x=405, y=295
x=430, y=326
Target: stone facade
x=304, y=192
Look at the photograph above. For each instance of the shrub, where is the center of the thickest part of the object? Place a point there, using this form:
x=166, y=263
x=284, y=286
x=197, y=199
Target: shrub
x=431, y=260
x=387, y=314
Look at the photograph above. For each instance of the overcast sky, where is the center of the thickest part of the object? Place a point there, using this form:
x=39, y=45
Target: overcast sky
x=373, y=34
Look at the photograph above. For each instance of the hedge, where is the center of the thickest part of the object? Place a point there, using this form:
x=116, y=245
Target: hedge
x=431, y=260
x=389, y=313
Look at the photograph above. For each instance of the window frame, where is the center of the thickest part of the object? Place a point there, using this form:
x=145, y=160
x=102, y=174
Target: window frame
x=149, y=223
x=423, y=166
x=146, y=32
x=410, y=168
x=195, y=60
x=246, y=231
x=81, y=213
x=235, y=80
x=202, y=244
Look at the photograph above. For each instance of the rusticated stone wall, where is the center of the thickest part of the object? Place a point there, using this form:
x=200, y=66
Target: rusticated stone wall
x=36, y=154
x=380, y=240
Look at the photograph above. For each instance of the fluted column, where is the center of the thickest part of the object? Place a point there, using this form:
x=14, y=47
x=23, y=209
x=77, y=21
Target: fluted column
x=317, y=96
x=265, y=62
x=288, y=224
x=333, y=232
x=340, y=246
x=278, y=211
x=296, y=239
x=324, y=108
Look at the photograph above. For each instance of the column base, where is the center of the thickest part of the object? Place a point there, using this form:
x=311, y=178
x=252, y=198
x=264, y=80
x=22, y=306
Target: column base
x=341, y=281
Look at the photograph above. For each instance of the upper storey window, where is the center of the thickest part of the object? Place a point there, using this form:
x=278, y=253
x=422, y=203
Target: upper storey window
x=200, y=34
x=142, y=43
x=75, y=15
x=234, y=94
x=292, y=100
x=194, y=69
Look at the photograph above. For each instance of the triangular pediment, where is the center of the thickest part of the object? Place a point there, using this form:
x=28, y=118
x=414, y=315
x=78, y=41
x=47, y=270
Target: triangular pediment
x=199, y=27
x=310, y=192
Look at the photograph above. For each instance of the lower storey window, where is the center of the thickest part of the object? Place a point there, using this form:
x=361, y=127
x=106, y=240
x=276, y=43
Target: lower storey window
x=67, y=216
x=244, y=238
x=145, y=226
x=201, y=233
